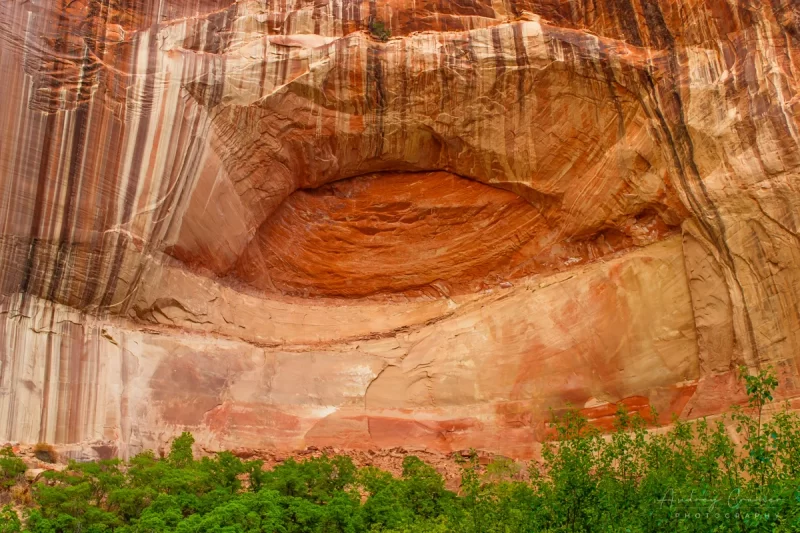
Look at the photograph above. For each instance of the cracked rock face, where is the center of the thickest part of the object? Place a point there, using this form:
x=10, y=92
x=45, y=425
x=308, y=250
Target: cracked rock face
x=259, y=222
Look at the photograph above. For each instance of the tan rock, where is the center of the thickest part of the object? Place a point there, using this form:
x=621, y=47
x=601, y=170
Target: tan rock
x=33, y=474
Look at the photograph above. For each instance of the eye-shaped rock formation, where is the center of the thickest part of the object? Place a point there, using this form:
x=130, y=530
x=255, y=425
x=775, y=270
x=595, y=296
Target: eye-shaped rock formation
x=373, y=224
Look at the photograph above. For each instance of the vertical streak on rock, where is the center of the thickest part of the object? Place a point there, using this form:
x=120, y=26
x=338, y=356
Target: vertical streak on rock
x=39, y=204
x=106, y=209
x=8, y=383
x=666, y=97
x=625, y=16
x=75, y=165
x=145, y=110
x=46, y=382
x=604, y=65
x=521, y=58
x=376, y=94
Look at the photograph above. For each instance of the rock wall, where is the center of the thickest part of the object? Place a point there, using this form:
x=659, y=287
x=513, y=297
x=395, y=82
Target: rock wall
x=375, y=224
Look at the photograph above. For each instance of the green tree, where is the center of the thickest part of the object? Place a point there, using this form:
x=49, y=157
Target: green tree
x=761, y=454
x=180, y=454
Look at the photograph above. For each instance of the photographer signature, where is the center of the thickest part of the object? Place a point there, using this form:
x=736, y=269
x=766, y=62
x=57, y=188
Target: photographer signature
x=734, y=501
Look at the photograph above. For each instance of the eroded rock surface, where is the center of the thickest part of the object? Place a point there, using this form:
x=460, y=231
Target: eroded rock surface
x=272, y=226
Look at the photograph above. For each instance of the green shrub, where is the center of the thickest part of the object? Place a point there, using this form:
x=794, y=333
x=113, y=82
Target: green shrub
x=379, y=30
x=12, y=468
x=9, y=520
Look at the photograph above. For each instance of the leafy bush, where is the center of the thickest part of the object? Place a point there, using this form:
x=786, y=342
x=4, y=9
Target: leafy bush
x=12, y=468
x=9, y=520
x=379, y=30
x=735, y=475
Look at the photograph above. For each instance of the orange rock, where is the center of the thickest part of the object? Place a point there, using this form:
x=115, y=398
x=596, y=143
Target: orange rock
x=272, y=226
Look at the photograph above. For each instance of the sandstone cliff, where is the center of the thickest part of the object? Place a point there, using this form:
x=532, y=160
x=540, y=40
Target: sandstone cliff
x=269, y=224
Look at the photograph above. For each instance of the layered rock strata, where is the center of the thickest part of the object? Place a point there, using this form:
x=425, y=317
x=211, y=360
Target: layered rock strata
x=278, y=225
